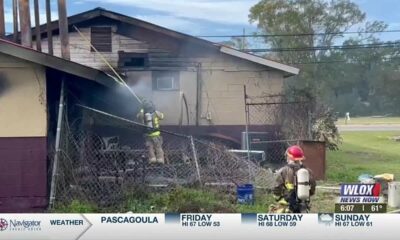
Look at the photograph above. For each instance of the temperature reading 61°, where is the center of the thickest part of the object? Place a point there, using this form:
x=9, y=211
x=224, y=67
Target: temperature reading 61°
x=376, y=208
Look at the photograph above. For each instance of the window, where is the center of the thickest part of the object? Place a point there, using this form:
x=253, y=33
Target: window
x=166, y=81
x=133, y=60
x=101, y=39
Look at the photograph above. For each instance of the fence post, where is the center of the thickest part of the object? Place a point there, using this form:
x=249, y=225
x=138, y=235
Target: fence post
x=195, y=158
x=309, y=123
x=246, y=109
x=57, y=147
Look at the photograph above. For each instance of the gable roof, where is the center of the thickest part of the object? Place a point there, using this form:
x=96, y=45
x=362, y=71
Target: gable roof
x=98, y=12
x=61, y=64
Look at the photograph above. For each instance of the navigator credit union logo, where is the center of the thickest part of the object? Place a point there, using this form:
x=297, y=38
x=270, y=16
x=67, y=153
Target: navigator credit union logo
x=14, y=225
x=3, y=224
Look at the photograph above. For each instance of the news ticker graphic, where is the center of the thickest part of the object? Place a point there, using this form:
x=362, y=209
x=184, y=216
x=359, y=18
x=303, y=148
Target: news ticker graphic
x=199, y=226
x=360, y=198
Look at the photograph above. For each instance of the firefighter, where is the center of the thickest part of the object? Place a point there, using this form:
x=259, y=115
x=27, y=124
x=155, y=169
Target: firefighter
x=153, y=140
x=294, y=184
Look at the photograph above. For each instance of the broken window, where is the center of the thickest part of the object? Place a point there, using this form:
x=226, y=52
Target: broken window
x=137, y=60
x=101, y=39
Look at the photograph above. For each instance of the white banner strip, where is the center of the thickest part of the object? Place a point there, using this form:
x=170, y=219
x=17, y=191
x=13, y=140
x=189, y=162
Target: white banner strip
x=199, y=226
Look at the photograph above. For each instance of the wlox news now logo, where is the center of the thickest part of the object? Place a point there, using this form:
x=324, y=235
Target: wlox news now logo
x=360, y=193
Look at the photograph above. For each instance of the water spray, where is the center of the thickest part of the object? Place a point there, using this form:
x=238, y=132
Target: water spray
x=119, y=78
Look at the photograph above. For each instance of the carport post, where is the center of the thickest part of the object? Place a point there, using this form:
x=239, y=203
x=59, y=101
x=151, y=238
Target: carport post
x=57, y=147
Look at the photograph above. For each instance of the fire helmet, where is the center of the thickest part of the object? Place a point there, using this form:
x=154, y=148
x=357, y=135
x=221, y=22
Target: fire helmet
x=295, y=153
x=148, y=106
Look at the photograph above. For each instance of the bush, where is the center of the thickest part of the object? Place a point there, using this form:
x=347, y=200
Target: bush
x=324, y=128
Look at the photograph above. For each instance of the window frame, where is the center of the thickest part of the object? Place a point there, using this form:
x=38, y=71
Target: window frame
x=164, y=75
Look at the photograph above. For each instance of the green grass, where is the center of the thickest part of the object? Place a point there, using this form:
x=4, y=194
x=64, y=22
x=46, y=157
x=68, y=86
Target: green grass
x=194, y=201
x=370, y=120
x=76, y=206
x=364, y=152
x=323, y=202
x=178, y=200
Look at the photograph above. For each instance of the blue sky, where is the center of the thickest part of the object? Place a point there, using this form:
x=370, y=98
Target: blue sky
x=206, y=17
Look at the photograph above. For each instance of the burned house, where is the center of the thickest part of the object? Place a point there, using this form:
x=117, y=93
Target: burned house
x=30, y=88
x=199, y=85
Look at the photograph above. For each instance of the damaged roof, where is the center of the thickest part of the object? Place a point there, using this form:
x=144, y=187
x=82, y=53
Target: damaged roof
x=101, y=12
x=73, y=68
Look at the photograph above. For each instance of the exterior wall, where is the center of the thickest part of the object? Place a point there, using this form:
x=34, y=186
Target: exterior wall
x=23, y=141
x=221, y=76
x=80, y=49
x=223, y=81
x=23, y=110
x=222, y=91
x=23, y=174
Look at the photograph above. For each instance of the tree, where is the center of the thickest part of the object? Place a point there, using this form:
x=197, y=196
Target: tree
x=305, y=16
x=318, y=24
x=355, y=80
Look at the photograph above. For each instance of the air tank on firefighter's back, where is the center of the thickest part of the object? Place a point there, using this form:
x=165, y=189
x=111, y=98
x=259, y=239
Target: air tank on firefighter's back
x=303, y=184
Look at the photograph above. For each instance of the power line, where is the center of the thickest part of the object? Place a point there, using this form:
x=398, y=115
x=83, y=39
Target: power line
x=296, y=34
x=336, y=61
x=323, y=48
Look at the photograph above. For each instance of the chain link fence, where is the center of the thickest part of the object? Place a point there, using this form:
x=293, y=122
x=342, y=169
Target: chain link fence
x=103, y=158
x=280, y=122
x=291, y=117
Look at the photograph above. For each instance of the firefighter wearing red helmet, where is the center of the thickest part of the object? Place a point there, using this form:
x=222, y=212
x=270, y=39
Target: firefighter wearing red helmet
x=294, y=184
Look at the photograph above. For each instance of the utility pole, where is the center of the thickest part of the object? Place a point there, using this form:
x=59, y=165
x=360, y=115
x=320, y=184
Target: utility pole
x=25, y=23
x=15, y=20
x=37, y=26
x=63, y=26
x=49, y=30
x=243, y=39
x=2, y=24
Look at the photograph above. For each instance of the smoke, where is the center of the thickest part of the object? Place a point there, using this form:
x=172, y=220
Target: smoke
x=141, y=84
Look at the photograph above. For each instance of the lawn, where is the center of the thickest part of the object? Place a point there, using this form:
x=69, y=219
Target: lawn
x=370, y=120
x=364, y=152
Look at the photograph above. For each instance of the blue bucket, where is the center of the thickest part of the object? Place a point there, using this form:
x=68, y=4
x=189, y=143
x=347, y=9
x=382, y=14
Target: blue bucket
x=245, y=194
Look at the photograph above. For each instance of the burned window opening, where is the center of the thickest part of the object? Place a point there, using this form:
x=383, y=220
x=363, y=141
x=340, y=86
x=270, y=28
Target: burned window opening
x=101, y=39
x=134, y=60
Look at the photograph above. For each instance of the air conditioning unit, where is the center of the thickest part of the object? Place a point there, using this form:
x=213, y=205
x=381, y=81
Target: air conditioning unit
x=255, y=156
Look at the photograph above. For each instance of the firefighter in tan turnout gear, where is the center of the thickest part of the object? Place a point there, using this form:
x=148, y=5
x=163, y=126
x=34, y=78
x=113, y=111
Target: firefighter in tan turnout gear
x=153, y=140
x=294, y=184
